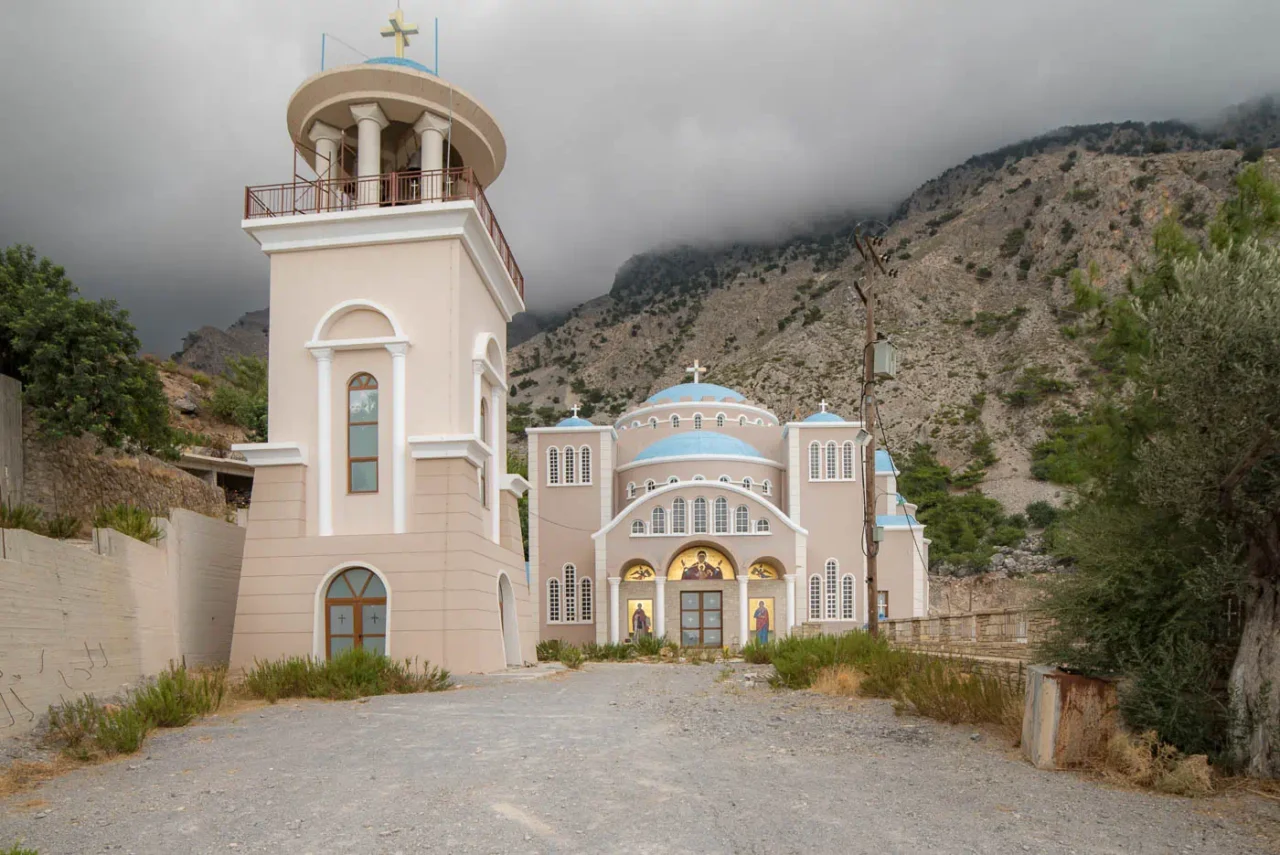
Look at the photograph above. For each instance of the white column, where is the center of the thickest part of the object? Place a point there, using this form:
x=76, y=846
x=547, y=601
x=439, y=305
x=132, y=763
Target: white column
x=660, y=606
x=431, y=130
x=743, y=611
x=399, y=444
x=328, y=144
x=790, y=579
x=614, y=612
x=324, y=439
x=369, y=124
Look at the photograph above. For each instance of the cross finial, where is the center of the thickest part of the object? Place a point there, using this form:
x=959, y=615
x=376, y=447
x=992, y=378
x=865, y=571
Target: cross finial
x=823, y=406
x=575, y=409
x=696, y=369
x=399, y=30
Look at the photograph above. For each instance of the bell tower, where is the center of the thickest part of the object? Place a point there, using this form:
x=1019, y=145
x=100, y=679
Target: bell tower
x=391, y=286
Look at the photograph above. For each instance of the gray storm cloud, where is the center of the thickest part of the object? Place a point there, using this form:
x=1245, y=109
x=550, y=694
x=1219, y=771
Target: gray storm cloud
x=130, y=129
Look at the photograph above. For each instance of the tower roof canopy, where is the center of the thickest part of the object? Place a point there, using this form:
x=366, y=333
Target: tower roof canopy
x=698, y=443
x=696, y=392
x=403, y=61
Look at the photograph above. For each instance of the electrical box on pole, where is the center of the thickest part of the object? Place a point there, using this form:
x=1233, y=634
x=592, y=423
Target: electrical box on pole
x=885, y=360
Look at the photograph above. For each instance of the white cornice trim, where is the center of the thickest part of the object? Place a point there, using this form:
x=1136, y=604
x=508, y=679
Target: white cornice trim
x=715, y=405
x=462, y=446
x=357, y=343
x=272, y=453
x=513, y=483
x=773, y=509
x=592, y=429
x=395, y=224
x=686, y=458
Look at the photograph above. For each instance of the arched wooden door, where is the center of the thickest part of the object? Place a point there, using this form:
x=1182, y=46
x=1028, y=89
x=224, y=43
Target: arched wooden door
x=355, y=612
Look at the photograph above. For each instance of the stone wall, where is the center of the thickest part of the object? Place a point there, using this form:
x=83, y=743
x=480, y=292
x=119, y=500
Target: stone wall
x=75, y=476
x=10, y=441
x=96, y=618
x=949, y=595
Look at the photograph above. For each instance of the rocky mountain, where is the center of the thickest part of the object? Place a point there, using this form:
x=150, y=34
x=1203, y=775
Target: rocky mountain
x=981, y=310
x=208, y=348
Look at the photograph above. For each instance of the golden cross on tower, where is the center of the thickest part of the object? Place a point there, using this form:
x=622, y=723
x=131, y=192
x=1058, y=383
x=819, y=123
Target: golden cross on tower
x=400, y=30
x=696, y=369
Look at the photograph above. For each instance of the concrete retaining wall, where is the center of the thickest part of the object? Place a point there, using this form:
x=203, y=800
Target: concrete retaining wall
x=10, y=441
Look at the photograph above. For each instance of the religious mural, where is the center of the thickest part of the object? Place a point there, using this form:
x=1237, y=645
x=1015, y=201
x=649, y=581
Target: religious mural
x=640, y=618
x=761, y=570
x=698, y=563
x=761, y=624
x=638, y=573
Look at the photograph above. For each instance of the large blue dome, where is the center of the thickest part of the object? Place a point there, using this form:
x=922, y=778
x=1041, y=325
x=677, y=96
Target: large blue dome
x=825, y=416
x=696, y=391
x=398, y=60
x=698, y=443
x=574, y=421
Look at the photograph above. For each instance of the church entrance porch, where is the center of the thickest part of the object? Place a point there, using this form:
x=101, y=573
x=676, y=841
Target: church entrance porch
x=701, y=623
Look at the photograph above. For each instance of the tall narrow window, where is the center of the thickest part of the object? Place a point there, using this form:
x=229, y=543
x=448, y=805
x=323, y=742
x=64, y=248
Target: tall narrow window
x=484, y=421
x=815, y=461
x=584, y=465
x=553, y=600
x=846, y=460
x=570, y=593
x=831, y=461
x=484, y=484
x=742, y=421
x=719, y=419
x=659, y=519
x=699, y=516
x=833, y=570
x=675, y=421
x=570, y=469
x=653, y=421
x=362, y=434
x=882, y=605
x=815, y=597
x=742, y=520
x=697, y=421
x=766, y=487
x=679, y=519
x=553, y=465
x=631, y=489
x=722, y=515
x=585, y=602
x=846, y=597
x=746, y=484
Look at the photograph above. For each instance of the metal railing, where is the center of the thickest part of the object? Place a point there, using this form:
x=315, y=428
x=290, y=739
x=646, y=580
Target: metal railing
x=392, y=189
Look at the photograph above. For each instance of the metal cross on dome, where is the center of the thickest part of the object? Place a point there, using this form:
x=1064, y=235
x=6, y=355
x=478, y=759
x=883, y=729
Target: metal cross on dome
x=822, y=406
x=399, y=30
x=575, y=409
x=696, y=369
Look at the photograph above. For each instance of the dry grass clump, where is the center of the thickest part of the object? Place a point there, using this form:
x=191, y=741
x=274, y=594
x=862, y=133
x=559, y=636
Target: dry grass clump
x=840, y=681
x=1145, y=761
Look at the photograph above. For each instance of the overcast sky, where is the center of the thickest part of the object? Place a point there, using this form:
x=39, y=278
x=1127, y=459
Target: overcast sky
x=130, y=129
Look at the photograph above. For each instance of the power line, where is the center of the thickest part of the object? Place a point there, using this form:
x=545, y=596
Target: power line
x=884, y=432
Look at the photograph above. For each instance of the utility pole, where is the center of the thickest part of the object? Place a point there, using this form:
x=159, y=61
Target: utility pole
x=867, y=248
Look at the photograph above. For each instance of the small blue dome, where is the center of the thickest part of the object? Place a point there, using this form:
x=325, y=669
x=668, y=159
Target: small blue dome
x=698, y=443
x=400, y=61
x=825, y=417
x=884, y=463
x=574, y=421
x=696, y=391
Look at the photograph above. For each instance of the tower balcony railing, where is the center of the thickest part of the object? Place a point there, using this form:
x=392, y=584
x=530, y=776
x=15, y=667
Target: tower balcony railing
x=391, y=189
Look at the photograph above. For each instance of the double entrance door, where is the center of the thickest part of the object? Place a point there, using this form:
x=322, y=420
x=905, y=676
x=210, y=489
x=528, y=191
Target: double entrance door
x=701, y=619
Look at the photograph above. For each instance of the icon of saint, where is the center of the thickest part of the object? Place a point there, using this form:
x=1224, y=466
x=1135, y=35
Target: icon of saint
x=640, y=625
x=702, y=569
x=762, y=623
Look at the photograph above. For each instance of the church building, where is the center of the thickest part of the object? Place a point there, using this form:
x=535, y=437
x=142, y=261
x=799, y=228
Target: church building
x=702, y=517
x=382, y=514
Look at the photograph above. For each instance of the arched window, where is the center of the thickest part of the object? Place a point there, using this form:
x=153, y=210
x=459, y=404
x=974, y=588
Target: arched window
x=722, y=515
x=762, y=526
x=637, y=527
x=725, y=479
x=742, y=520
x=631, y=489
x=553, y=600
x=673, y=480
x=747, y=483
x=759, y=421
x=699, y=516
x=831, y=461
x=650, y=485
x=815, y=597
x=766, y=487
x=584, y=465
x=362, y=434
x=815, y=461
x=659, y=519
x=570, y=593
x=570, y=468
x=585, y=601
x=742, y=421
x=719, y=419
x=679, y=517
x=653, y=421
x=675, y=421
x=846, y=460
x=697, y=421
x=484, y=421
x=698, y=478
x=355, y=612
x=635, y=424
x=833, y=570
x=553, y=465
x=846, y=597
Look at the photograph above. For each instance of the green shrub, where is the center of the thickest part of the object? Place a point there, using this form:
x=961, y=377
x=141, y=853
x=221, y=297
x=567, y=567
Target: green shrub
x=72, y=726
x=1041, y=514
x=63, y=526
x=27, y=517
x=129, y=520
x=648, y=645
x=353, y=673
x=1013, y=240
x=1033, y=386
x=121, y=730
x=758, y=654
x=571, y=657
x=177, y=696
x=242, y=399
x=549, y=650
x=18, y=849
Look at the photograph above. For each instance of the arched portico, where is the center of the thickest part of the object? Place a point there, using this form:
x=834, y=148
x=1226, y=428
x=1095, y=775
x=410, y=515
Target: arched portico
x=507, y=619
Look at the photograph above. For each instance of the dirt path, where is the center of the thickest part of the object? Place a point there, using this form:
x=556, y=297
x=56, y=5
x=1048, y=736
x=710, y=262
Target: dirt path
x=618, y=759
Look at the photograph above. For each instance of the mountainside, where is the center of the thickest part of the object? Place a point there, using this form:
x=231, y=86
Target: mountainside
x=981, y=309
x=208, y=348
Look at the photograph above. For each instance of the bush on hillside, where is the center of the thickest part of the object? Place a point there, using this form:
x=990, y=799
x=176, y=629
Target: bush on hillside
x=242, y=399
x=131, y=520
x=353, y=673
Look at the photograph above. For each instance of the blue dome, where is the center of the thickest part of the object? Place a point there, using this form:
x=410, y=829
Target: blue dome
x=825, y=417
x=696, y=391
x=884, y=463
x=398, y=60
x=698, y=443
x=574, y=421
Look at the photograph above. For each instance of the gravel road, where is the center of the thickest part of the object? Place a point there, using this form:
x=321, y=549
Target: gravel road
x=618, y=759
